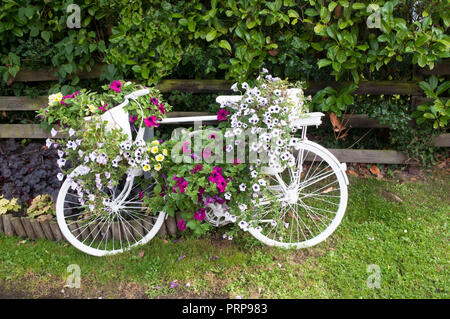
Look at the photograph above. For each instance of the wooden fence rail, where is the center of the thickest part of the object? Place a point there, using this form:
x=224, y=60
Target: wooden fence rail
x=10, y=103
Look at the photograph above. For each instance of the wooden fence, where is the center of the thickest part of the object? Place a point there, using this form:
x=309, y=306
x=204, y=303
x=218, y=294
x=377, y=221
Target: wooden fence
x=10, y=103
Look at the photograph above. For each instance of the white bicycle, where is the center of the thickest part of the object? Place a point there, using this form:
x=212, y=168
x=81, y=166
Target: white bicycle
x=311, y=198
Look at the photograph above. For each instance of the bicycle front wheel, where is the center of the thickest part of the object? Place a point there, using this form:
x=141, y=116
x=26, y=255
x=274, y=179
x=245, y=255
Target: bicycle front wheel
x=305, y=203
x=119, y=226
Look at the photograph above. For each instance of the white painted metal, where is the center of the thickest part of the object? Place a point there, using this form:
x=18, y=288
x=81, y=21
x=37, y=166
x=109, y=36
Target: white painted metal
x=217, y=215
x=120, y=205
x=289, y=197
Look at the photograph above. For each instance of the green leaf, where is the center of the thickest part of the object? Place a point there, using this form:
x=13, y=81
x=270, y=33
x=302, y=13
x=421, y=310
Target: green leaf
x=191, y=25
x=318, y=27
x=211, y=35
x=332, y=5
x=323, y=63
x=67, y=68
x=443, y=88
x=358, y=6
x=46, y=35
x=422, y=60
x=293, y=13
x=183, y=22
x=250, y=24
x=34, y=31
x=421, y=40
x=310, y=12
x=336, y=66
x=225, y=45
x=157, y=189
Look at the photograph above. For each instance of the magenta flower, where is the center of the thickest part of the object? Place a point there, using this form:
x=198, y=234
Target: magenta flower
x=200, y=215
x=154, y=100
x=162, y=109
x=237, y=161
x=221, y=184
x=116, y=86
x=200, y=193
x=66, y=97
x=212, y=136
x=197, y=168
x=222, y=115
x=151, y=121
x=102, y=107
x=181, y=184
x=181, y=224
x=141, y=194
x=133, y=118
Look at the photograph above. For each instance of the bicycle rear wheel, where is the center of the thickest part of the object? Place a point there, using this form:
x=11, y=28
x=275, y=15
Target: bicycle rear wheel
x=304, y=204
x=122, y=224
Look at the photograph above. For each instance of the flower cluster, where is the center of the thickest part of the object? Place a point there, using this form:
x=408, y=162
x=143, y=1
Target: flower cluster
x=70, y=110
x=195, y=186
x=268, y=113
x=99, y=157
x=139, y=154
x=217, y=178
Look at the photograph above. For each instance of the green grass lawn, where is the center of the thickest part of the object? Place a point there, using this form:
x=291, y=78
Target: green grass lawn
x=402, y=228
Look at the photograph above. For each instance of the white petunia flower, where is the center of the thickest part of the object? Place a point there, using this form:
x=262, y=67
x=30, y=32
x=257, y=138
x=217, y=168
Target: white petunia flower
x=242, y=207
x=244, y=225
x=53, y=132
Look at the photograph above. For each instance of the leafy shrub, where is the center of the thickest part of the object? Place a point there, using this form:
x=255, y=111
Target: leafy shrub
x=26, y=172
x=42, y=207
x=8, y=205
x=149, y=40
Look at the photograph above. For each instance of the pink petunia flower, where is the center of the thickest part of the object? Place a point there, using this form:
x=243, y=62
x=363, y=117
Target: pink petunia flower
x=181, y=184
x=200, y=215
x=151, y=121
x=237, y=161
x=181, y=224
x=222, y=115
x=197, y=168
x=162, y=109
x=116, y=86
